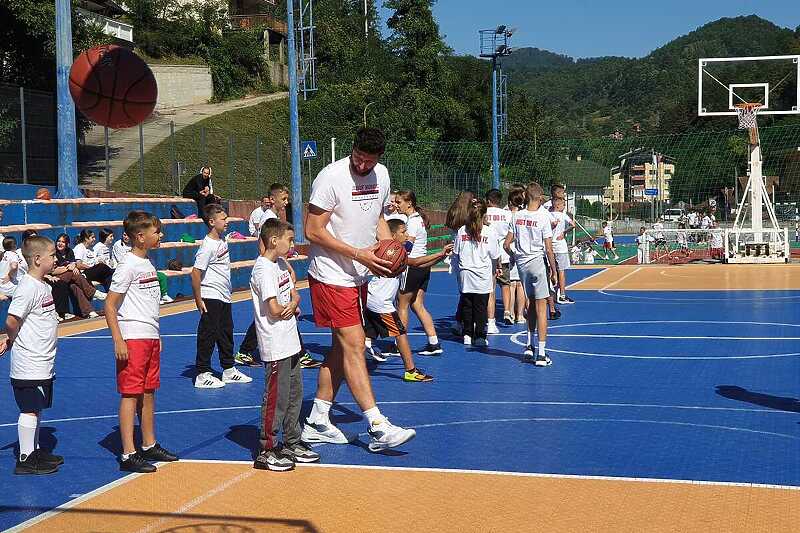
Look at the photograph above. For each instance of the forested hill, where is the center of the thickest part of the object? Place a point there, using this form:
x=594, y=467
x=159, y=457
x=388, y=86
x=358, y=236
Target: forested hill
x=593, y=97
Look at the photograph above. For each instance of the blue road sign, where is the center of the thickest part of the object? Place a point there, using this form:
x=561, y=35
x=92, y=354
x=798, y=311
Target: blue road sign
x=651, y=192
x=308, y=149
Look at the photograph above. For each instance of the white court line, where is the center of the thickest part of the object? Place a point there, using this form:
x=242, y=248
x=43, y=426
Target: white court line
x=626, y=276
x=197, y=501
x=602, y=269
x=72, y=503
x=446, y=402
x=516, y=474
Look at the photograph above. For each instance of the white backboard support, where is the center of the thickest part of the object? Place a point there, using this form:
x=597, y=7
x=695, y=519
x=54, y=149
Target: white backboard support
x=773, y=81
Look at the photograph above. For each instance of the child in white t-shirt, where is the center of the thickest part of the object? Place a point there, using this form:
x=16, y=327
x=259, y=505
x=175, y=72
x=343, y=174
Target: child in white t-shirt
x=211, y=285
x=32, y=325
x=715, y=244
x=608, y=245
x=132, y=312
x=381, y=318
x=120, y=248
x=498, y=218
x=275, y=303
x=477, y=254
x=643, y=247
x=9, y=267
x=102, y=250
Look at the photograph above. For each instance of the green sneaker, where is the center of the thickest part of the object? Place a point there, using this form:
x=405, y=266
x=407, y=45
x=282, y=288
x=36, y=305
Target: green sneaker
x=246, y=359
x=306, y=361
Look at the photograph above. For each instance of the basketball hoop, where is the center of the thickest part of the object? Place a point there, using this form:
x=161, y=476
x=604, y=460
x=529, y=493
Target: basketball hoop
x=747, y=115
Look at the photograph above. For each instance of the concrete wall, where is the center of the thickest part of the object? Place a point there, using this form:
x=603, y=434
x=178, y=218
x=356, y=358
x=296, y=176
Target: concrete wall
x=182, y=85
x=278, y=73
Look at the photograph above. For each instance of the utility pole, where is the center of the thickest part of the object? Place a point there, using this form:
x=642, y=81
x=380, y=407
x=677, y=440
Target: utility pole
x=494, y=45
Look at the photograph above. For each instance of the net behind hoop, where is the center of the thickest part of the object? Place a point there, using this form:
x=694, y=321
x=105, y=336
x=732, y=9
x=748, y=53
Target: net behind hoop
x=747, y=115
x=679, y=246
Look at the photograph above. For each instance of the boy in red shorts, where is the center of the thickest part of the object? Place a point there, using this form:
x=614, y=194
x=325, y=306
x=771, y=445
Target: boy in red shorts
x=131, y=308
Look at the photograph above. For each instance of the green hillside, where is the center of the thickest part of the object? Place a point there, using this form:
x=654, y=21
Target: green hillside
x=595, y=97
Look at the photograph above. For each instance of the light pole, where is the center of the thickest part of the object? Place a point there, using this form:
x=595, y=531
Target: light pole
x=294, y=128
x=65, y=108
x=494, y=45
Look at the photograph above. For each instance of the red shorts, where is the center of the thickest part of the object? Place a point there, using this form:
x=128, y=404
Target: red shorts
x=607, y=245
x=337, y=307
x=142, y=371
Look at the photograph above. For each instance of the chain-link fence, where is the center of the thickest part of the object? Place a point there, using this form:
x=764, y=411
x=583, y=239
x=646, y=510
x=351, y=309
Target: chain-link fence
x=27, y=136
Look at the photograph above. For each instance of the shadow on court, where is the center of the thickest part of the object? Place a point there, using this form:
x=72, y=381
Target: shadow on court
x=780, y=403
x=205, y=522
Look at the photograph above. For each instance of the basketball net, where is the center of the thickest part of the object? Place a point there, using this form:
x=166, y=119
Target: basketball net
x=747, y=115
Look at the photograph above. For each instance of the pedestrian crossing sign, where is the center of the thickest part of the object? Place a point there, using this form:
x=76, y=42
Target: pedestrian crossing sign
x=308, y=149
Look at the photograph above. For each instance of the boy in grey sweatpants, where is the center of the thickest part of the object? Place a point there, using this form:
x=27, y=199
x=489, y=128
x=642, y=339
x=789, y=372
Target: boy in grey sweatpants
x=275, y=305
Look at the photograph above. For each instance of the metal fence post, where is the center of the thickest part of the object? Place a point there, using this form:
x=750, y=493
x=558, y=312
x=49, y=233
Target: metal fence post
x=174, y=157
x=259, y=182
x=141, y=159
x=232, y=187
x=108, y=170
x=24, y=142
x=203, y=145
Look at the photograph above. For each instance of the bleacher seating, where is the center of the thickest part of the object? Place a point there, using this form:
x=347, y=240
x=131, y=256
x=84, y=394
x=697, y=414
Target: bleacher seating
x=51, y=218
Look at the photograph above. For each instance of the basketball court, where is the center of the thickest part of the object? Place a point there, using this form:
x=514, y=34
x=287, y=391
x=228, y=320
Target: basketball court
x=671, y=406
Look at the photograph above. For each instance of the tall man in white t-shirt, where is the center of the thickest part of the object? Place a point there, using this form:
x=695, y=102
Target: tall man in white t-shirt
x=344, y=220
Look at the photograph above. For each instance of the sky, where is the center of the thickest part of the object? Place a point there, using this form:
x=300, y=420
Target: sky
x=583, y=28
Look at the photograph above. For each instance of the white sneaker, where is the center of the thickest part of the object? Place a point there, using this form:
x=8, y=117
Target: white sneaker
x=207, y=380
x=232, y=375
x=99, y=295
x=375, y=353
x=467, y=340
x=60, y=319
x=93, y=314
x=492, y=328
x=386, y=435
x=166, y=299
x=68, y=316
x=324, y=432
x=481, y=343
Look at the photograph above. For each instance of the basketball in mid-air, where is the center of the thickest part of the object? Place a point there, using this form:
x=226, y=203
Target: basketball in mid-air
x=394, y=252
x=113, y=87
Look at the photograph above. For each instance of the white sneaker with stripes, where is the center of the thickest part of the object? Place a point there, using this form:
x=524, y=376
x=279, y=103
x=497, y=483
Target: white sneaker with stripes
x=232, y=375
x=207, y=380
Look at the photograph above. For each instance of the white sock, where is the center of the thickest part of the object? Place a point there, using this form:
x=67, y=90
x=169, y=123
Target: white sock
x=145, y=448
x=320, y=410
x=36, y=438
x=433, y=339
x=26, y=430
x=126, y=456
x=541, y=348
x=529, y=338
x=368, y=342
x=373, y=415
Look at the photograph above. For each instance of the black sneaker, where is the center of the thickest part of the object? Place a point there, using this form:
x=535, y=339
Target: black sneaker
x=301, y=453
x=157, y=454
x=527, y=355
x=432, y=349
x=306, y=361
x=275, y=459
x=555, y=315
x=136, y=463
x=33, y=464
x=48, y=457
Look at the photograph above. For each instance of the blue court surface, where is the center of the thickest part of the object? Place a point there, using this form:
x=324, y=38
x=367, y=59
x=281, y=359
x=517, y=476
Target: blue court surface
x=696, y=385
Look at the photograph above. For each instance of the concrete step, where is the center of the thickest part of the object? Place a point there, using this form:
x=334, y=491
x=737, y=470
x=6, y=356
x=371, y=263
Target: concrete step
x=67, y=212
x=239, y=250
x=173, y=228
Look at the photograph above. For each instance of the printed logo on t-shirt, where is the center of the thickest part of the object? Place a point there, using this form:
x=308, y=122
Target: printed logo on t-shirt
x=527, y=223
x=466, y=238
x=222, y=252
x=284, y=288
x=495, y=218
x=365, y=195
x=148, y=281
x=48, y=306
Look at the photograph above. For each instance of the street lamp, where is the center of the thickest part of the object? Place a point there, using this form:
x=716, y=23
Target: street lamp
x=494, y=45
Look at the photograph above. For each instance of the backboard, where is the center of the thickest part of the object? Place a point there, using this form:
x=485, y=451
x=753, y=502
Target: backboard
x=772, y=81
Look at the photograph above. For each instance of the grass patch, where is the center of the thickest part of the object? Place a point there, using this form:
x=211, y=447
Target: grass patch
x=228, y=142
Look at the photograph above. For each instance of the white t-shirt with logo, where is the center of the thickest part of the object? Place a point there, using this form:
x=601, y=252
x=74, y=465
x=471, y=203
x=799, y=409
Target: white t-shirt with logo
x=135, y=278
x=530, y=228
x=608, y=234
x=254, y=223
x=475, y=272
x=102, y=253
x=415, y=227
x=381, y=293
x=85, y=255
x=213, y=259
x=268, y=214
x=355, y=203
x=33, y=353
x=22, y=267
x=118, y=252
x=560, y=245
x=277, y=339
x=7, y=287
x=499, y=219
